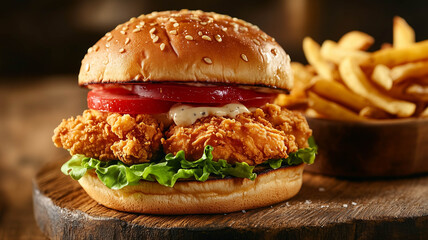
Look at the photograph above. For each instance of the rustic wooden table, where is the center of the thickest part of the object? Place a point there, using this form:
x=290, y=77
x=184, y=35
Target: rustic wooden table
x=29, y=112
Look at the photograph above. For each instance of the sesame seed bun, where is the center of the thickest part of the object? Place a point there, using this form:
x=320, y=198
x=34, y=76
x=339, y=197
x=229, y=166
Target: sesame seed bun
x=187, y=46
x=193, y=197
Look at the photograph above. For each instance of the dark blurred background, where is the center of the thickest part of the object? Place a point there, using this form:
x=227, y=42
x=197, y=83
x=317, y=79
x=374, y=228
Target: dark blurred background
x=46, y=37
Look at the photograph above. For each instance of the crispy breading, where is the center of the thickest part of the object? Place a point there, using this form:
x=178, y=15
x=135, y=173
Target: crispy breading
x=267, y=133
x=108, y=136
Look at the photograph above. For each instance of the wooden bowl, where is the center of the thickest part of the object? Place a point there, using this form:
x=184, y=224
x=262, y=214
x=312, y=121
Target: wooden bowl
x=386, y=148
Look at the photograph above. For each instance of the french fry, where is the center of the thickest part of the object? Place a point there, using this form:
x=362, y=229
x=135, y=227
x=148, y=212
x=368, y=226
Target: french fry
x=373, y=113
x=312, y=113
x=332, y=52
x=418, y=91
x=382, y=76
x=356, y=40
x=409, y=70
x=424, y=114
x=396, y=56
x=354, y=78
x=386, y=46
x=302, y=75
x=313, y=55
x=337, y=92
x=302, y=81
x=403, y=34
x=331, y=109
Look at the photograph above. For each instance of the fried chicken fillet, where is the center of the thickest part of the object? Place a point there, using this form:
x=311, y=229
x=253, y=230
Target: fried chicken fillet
x=108, y=136
x=269, y=132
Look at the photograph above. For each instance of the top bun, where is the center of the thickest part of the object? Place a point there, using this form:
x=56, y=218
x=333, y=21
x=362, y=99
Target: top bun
x=187, y=46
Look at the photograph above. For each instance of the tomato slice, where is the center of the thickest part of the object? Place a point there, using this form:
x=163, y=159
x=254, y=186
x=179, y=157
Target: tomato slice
x=159, y=98
x=121, y=101
x=197, y=94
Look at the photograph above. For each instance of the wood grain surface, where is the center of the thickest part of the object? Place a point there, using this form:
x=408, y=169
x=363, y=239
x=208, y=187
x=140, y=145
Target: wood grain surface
x=325, y=208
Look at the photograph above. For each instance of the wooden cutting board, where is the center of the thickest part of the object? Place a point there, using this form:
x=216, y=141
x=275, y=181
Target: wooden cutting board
x=325, y=208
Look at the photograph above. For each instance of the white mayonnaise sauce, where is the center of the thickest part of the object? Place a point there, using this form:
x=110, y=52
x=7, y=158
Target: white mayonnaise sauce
x=184, y=115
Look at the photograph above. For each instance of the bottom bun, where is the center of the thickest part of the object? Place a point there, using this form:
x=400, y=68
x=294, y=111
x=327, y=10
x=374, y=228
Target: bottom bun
x=194, y=197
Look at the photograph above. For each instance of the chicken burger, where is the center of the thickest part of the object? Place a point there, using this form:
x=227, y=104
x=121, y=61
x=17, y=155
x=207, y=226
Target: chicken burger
x=181, y=120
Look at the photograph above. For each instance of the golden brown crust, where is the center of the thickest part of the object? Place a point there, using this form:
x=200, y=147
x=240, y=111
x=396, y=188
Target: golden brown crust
x=193, y=197
x=187, y=46
x=107, y=136
x=267, y=133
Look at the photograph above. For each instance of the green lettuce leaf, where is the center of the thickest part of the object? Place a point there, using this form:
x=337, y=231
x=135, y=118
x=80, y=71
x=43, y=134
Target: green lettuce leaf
x=116, y=175
x=304, y=155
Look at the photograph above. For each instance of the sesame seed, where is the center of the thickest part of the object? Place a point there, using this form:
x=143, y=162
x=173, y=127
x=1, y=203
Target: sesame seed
x=256, y=41
x=354, y=203
x=287, y=204
x=127, y=40
x=132, y=19
x=136, y=30
x=155, y=39
x=162, y=46
x=96, y=47
x=345, y=205
x=125, y=28
x=244, y=29
x=108, y=34
x=121, y=50
x=200, y=33
x=89, y=50
x=208, y=60
x=153, y=24
x=264, y=37
x=123, y=32
x=107, y=45
x=188, y=37
x=172, y=20
x=243, y=211
x=109, y=38
x=195, y=18
x=205, y=37
x=244, y=57
x=204, y=23
x=142, y=23
x=153, y=30
x=224, y=29
x=87, y=67
x=175, y=24
x=308, y=202
x=173, y=32
x=218, y=38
